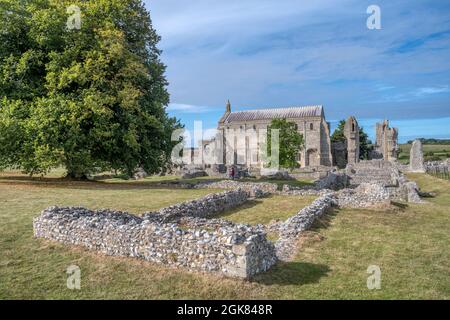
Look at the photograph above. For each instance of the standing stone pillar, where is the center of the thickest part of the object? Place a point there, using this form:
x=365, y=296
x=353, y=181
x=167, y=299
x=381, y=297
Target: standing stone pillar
x=416, y=157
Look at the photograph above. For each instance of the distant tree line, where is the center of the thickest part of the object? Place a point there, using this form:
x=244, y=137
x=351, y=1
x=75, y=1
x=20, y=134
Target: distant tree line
x=432, y=141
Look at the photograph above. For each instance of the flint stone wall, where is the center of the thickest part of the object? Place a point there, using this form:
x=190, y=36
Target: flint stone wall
x=205, y=207
x=303, y=191
x=365, y=195
x=306, y=216
x=255, y=189
x=290, y=229
x=234, y=250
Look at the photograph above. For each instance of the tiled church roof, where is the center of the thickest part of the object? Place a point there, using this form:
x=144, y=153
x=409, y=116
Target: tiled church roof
x=275, y=113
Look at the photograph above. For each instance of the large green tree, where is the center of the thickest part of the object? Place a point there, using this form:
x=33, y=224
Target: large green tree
x=89, y=99
x=364, y=141
x=290, y=142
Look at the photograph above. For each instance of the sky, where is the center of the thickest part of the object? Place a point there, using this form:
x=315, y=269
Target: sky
x=266, y=53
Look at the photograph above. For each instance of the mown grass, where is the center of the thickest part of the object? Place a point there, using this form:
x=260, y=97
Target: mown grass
x=411, y=246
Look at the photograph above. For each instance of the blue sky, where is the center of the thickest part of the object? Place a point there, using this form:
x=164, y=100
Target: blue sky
x=265, y=53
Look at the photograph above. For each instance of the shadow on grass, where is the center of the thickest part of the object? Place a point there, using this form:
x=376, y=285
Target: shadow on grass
x=104, y=182
x=279, y=182
x=324, y=221
x=292, y=273
x=399, y=205
x=97, y=184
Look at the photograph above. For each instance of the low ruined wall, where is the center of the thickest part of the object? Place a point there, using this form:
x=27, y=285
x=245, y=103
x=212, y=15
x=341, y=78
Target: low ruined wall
x=234, y=250
x=255, y=189
x=306, y=216
x=310, y=173
x=290, y=229
x=205, y=207
x=289, y=190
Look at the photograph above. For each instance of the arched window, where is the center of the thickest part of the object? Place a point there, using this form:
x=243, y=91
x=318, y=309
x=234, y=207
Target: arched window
x=353, y=127
x=311, y=126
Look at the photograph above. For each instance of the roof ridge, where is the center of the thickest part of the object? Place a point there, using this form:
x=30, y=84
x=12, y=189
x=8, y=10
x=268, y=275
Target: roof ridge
x=272, y=113
x=279, y=108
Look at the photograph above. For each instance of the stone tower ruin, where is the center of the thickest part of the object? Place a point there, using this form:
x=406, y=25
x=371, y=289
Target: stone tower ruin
x=351, y=132
x=386, y=145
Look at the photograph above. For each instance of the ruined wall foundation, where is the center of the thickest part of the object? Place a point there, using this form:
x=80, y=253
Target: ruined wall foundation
x=186, y=241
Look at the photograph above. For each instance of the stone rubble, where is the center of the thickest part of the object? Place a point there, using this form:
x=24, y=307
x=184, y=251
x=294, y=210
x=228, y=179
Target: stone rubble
x=194, y=174
x=139, y=173
x=303, y=191
x=334, y=181
x=365, y=195
x=255, y=189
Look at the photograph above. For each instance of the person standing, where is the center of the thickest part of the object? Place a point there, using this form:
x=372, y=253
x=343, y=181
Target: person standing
x=232, y=173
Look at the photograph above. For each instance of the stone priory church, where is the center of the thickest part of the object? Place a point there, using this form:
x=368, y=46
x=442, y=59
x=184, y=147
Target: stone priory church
x=241, y=136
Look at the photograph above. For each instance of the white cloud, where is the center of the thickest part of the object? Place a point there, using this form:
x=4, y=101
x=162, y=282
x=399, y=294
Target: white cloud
x=432, y=90
x=271, y=53
x=410, y=95
x=188, y=108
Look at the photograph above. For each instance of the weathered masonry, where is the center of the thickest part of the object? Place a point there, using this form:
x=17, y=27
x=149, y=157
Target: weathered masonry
x=241, y=138
x=180, y=235
x=386, y=144
x=241, y=134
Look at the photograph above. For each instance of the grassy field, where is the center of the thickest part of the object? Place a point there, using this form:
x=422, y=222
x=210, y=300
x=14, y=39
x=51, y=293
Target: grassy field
x=275, y=207
x=430, y=151
x=411, y=246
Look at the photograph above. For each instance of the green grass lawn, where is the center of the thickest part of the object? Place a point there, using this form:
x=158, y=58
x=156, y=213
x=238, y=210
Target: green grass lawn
x=411, y=246
x=264, y=210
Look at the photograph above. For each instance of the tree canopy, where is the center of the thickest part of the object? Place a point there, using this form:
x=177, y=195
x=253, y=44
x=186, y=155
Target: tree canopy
x=290, y=141
x=89, y=99
x=338, y=134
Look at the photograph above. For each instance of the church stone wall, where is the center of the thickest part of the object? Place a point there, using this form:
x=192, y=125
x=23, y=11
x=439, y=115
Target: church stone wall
x=244, y=140
x=243, y=136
